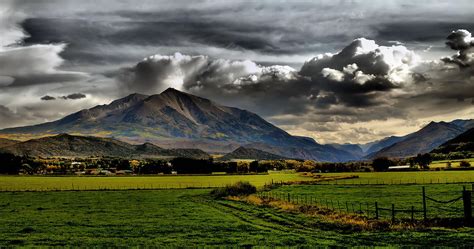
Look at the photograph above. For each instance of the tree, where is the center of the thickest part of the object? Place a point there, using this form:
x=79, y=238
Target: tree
x=381, y=164
x=464, y=164
x=10, y=164
x=253, y=167
x=423, y=160
x=243, y=166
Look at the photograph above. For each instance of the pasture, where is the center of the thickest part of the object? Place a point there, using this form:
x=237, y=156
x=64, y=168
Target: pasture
x=410, y=177
x=45, y=183
x=180, y=218
x=180, y=212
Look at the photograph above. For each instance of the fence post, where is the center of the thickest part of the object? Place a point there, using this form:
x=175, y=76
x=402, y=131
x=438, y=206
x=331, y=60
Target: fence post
x=424, y=202
x=412, y=213
x=289, y=197
x=393, y=212
x=376, y=211
x=467, y=199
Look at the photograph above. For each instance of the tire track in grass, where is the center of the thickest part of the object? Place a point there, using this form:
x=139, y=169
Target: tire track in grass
x=264, y=218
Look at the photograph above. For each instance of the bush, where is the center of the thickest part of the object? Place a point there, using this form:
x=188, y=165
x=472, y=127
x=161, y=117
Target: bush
x=237, y=189
x=464, y=164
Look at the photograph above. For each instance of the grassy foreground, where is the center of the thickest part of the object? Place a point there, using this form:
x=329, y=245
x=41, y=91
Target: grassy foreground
x=186, y=218
x=44, y=183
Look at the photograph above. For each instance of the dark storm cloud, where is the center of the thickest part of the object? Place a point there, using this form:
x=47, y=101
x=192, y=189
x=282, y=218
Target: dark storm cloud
x=418, y=31
x=74, y=96
x=47, y=98
x=8, y=117
x=462, y=41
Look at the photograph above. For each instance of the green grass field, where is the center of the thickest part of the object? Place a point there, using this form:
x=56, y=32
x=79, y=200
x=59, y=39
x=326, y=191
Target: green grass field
x=180, y=218
x=43, y=183
x=454, y=163
x=411, y=177
x=356, y=199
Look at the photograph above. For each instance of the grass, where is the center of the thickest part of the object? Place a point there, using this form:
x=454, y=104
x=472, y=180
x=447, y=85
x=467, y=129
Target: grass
x=363, y=198
x=412, y=177
x=181, y=218
x=43, y=183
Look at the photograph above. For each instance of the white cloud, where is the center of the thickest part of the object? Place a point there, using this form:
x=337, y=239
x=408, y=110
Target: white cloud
x=365, y=60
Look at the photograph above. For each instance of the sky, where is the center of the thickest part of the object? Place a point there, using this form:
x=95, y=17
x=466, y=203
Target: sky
x=336, y=71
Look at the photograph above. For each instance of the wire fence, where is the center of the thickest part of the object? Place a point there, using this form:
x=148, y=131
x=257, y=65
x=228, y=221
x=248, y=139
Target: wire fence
x=431, y=206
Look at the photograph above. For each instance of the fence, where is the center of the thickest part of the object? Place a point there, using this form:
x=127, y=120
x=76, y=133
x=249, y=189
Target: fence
x=392, y=211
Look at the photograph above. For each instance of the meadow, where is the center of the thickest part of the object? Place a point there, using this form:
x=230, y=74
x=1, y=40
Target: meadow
x=180, y=211
x=409, y=177
x=181, y=218
x=45, y=183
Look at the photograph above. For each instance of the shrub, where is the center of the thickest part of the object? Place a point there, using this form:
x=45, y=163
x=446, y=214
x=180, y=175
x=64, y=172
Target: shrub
x=464, y=164
x=238, y=189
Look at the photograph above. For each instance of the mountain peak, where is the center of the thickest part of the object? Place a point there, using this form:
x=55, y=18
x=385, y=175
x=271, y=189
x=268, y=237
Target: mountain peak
x=171, y=90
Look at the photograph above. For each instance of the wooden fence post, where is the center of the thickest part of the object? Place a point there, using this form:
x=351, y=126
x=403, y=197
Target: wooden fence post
x=376, y=211
x=424, y=202
x=393, y=212
x=289, y=197
x=467, y=199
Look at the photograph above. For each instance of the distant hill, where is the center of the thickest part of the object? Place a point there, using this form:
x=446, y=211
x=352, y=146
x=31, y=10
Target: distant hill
x=7, y=142
x=383, y=143
x=65, y=145
x=354, y=149
x=250, y=153
x=463, y=142
x=174, y=119
x=422, y=141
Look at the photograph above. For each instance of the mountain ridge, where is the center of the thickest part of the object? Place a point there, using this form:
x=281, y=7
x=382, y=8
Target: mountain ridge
x=176, y=118
x=65, y=145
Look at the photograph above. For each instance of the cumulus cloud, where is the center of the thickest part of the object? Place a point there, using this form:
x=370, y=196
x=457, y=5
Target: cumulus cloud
x=365, y=56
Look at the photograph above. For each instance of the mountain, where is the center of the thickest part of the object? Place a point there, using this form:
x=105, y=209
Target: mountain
x=422, y=141
x=383, y=143
x=250, y=153
x=7, y=142
x=65, y=145
x=463, y=142
x=353, y=149
x=174, y=119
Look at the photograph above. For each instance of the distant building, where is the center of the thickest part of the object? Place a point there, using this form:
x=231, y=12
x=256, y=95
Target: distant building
x=399, y=167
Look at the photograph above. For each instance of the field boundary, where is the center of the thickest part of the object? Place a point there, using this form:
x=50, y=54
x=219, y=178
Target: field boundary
x=376, y=211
